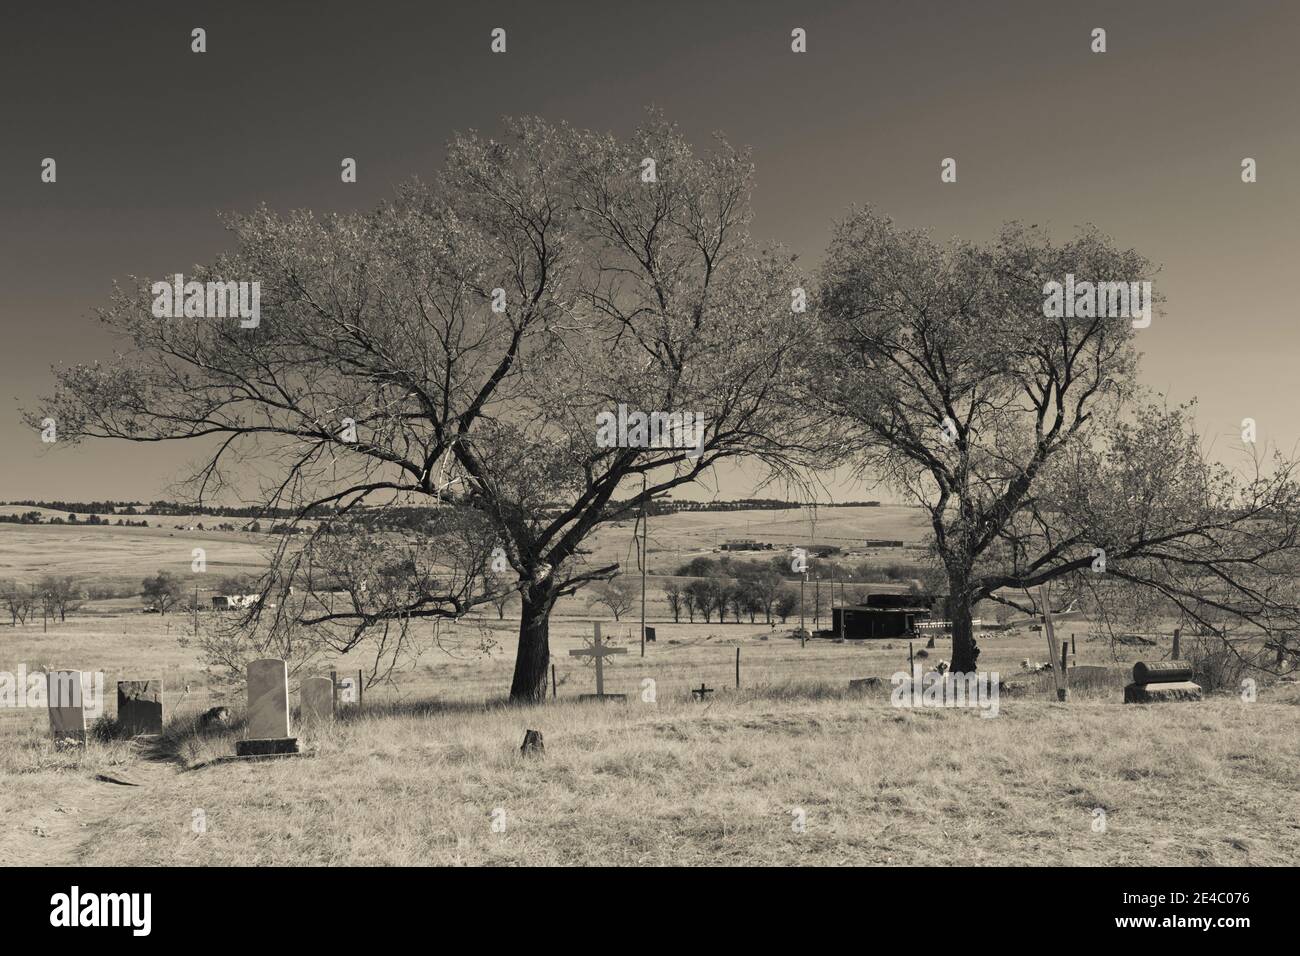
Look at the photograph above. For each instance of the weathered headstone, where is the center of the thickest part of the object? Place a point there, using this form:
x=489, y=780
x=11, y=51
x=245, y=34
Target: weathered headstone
x=650, y=635
x=316, y=700
x=599, y=652
x=1160, y=681
x=533, y=743
x=347, y=690
x=66, y=698
x=140, y=707
x=1161, y=672
x=268, y=711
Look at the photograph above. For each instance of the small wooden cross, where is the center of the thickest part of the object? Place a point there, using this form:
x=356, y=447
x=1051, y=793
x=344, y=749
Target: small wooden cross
x=700, y=691
x=599, y=651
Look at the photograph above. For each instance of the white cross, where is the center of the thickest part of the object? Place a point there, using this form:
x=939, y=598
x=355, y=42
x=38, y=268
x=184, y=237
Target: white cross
x=598, y=651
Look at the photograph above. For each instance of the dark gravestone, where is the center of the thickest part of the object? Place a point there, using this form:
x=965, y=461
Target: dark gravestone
x=700, y=691
x=650, y=635
x=533, y=743
x=1160, y=681
x=140, y=707
x=1161, y=672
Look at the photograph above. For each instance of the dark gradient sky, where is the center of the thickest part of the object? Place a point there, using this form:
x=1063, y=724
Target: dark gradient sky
x=1146, y=140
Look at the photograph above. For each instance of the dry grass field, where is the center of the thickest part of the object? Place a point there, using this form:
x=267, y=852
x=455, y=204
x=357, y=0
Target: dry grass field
x=422, y=774
x=417, y=776
x=106, y=554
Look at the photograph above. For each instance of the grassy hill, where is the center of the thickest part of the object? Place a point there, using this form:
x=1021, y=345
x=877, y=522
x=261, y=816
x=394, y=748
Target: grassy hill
x=106, y=553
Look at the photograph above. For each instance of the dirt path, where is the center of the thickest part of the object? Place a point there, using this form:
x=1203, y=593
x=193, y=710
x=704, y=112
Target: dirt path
x=54, y=828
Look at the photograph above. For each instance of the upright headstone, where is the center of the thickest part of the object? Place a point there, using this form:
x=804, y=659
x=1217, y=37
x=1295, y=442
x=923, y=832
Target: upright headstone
x=66, y=696
x=650, y=635
x=140, y=707
x=316, y=700
x=347, y=690
x=268, y=711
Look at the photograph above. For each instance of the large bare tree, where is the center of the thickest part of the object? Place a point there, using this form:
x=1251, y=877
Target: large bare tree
x=1026, y=437
x=456, y=346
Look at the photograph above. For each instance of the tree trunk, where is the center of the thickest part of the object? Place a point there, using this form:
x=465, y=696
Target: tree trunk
x=964, y=650
x=534, y=656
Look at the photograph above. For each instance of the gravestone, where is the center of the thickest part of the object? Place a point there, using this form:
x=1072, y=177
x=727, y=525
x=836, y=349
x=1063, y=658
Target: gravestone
x=1161, y=672
x=66, y=697
x=599, y=652
x=316, y=700
x=140, y=707
x=701, y=691
x=1160, y=681
x=533, y=743
x=650, y=635
x=347, y=690
x=268, y=711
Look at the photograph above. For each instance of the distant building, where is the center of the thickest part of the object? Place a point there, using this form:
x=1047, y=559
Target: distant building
x=745, y=544
x=926, y=601
x=227, y=602
x=862, y=621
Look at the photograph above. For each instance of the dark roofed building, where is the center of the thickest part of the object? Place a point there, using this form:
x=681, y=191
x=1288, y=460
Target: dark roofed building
x=900, y=600
x=861, y=621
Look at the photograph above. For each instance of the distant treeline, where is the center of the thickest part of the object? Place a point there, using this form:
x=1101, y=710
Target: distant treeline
x=379, y=518
x=666, y=507
x=167, y=508
x=36, y=517
x=862, y=572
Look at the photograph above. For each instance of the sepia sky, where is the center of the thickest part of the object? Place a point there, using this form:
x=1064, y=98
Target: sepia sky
x=1146, y=140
